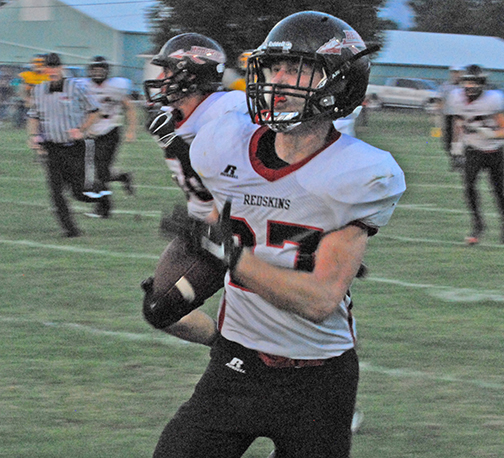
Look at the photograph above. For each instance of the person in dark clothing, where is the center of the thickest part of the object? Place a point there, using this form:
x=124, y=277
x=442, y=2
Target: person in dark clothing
x=61, y=112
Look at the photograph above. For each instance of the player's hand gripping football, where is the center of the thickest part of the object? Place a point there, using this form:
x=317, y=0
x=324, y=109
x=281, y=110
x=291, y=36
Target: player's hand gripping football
x=221, y=242
x=216, y=239
x=180, y=224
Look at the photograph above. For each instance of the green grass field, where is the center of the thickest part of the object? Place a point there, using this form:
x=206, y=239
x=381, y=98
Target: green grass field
x=83, y=376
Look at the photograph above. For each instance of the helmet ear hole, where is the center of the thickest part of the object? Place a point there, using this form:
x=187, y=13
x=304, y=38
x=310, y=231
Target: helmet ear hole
x=340, y=86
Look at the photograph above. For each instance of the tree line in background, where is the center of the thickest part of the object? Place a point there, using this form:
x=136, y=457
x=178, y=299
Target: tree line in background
x=468, y=17
x=240, y=25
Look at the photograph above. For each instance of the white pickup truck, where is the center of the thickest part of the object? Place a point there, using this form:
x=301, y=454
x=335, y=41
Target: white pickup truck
x=403, y=92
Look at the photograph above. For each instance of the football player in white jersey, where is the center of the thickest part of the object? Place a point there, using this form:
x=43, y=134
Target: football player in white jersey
x=297, y=202
x=190, y=93
x=114, y=96
x=479, y=139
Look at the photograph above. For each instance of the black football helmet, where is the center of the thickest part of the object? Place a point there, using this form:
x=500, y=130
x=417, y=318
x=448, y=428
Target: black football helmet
x=196, y=64
x=98, y=69
x=327, y=44
x=474, y=74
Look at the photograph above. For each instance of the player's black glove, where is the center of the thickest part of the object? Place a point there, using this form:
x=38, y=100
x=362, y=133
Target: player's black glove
x=216, y=240
x=363, y=271
x=180, y=224
x=221, y=242
x=162, y=127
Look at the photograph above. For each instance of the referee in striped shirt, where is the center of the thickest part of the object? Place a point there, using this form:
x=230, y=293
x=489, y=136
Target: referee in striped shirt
x=61, y=112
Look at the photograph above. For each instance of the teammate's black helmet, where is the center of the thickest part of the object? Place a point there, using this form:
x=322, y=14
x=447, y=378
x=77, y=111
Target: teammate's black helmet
x=326, y=43
x=197, y=64
x=98, y=62
x=473, y=74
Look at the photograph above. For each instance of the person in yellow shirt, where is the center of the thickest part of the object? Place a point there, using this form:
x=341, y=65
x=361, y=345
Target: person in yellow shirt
x=236, y=78
x=29, y=79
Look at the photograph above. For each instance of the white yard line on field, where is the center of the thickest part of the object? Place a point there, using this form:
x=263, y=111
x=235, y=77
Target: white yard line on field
x=40, y=180
x=76, y=249
x=77, y=208
x=173, y=341
x=433, y=209
x=439, y=242
x=435, y=186
x=447, y=293
x=441, y=292
x=409, y=373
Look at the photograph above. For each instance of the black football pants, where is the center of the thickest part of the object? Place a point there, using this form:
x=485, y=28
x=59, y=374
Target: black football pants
x=65, y=168
x=106, y=147
x=307, y=412
x=477, y=161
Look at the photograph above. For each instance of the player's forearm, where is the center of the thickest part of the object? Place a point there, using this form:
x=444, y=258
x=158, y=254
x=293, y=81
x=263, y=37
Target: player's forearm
x=131, y=116
x=90, y=119
x=499, y=133
x=298, y=292
x=457, y=131
x=131, y=119
x=197, y=327
x=33, y=126
x=313, y=295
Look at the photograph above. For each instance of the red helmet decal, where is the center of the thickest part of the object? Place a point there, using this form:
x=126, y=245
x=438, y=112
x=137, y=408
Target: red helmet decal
x=334, y=45
x=198, y=52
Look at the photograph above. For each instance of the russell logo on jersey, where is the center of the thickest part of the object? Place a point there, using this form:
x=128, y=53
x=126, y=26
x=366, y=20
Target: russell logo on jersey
x=230, y=171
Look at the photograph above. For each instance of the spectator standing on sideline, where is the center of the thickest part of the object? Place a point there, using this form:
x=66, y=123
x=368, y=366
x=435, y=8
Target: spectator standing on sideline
x=29, y=79
x=59, y=118
x=445, y=111
x=114, y=96
x=305, y=199
x=479, y=136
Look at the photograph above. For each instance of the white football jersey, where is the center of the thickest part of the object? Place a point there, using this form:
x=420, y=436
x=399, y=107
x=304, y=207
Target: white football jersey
x=199, y=203
x=110, y=95
x=346, y=125
x=282, y=214
x=477, y=114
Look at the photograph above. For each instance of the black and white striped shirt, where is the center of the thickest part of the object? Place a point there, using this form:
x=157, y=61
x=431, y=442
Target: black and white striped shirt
x=58, y=112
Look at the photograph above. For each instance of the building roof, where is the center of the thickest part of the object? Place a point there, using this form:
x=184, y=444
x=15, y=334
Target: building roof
x=441, y=50
x=122, y=15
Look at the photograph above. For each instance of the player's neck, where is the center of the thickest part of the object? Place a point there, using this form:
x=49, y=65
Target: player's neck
x=301, y=142
x=188, y=104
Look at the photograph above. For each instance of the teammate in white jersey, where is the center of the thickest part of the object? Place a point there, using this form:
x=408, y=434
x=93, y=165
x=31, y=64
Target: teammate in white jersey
x=304, y=200
x=479, y=138
x=114, y=96
x=191, y=94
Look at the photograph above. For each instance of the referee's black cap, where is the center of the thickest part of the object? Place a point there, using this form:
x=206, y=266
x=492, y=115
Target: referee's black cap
x=52, y=60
